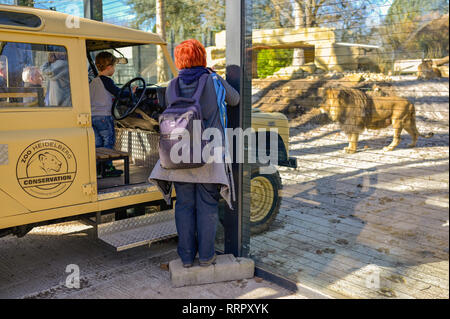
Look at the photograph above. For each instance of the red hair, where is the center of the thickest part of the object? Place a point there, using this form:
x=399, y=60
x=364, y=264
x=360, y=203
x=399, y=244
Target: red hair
x=190, y=53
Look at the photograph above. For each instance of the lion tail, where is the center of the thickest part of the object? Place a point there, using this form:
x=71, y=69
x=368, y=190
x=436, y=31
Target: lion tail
x=425, y=135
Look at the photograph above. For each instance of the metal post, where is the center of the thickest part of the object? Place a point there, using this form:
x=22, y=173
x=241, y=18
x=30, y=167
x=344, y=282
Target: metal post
x=233, y=27
x=231, y=222
x=236, y=227
x=245, y=121
x=93, y=9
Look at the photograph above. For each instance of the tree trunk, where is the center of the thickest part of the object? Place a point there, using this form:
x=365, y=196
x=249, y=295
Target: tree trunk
x=309, y=13
x=93, y=9
x=299, y=15
x=161, y=30
x=27, y=3
x=299, y=54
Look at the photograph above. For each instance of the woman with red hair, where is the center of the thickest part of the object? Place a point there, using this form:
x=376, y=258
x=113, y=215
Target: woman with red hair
x=190, y=54
x=198, y=189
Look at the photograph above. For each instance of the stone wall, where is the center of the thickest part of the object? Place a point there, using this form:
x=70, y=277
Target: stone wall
x=326, y=54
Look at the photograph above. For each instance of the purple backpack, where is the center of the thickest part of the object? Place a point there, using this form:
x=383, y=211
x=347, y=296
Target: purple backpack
x=177, y=128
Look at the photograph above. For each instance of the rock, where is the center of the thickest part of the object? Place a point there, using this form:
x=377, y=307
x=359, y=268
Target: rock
x=308, y=67
x=290, y=72
x=333, y=75
x=292, y=109
x=319, y=71
x=356, y=78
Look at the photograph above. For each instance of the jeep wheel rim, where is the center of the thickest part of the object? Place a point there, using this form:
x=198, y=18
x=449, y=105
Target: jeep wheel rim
x=262, y=198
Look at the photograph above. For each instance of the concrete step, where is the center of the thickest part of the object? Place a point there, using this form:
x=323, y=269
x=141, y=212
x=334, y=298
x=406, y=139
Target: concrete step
x=226, y=268
x=137, y=231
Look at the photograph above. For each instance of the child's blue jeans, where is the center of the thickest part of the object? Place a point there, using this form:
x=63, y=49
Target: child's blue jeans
x=196, y=217
x=104, y=131
x=105, y=135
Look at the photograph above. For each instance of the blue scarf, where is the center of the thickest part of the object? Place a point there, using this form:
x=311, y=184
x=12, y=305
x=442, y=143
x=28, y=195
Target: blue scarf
x=190, y=75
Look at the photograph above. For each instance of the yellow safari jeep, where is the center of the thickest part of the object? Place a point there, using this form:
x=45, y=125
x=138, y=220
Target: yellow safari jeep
x=48, y=158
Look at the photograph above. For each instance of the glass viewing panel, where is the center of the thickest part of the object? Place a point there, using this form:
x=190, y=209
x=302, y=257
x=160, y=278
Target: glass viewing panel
x=365, y=212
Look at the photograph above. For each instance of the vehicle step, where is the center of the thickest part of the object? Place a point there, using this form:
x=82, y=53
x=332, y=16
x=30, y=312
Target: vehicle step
x=125, y=190
x=137, y=231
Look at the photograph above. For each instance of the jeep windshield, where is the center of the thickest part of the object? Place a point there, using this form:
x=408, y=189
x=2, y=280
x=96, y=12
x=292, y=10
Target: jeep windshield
x=136, y=61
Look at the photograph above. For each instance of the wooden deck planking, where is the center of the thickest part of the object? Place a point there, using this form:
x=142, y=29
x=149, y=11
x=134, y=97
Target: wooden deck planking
x=353, y=257
x=316, y=260
x=325, y=280
x=434, y=234
x=374, y=203
x=365, y=253
x=335, y=173
x=422, y=281
x=375, y=192
x=339, y=231
x=332, y=156
x=309, y=268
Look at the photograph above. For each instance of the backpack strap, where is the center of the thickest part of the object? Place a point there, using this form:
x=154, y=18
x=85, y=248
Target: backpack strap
x=200, y=87
x=174, y=99
x=221, y=93
x=174, y=91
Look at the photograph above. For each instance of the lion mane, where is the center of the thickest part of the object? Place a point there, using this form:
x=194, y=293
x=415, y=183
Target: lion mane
x=354, y=109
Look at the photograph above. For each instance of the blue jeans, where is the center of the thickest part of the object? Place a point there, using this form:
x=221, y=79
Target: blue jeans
x=104, y=131
x=105, y=135
x=196, y=217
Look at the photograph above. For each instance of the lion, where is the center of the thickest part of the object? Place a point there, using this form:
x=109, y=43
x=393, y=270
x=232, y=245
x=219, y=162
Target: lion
x=45, y=164
x=355, y=111
x=427, y=70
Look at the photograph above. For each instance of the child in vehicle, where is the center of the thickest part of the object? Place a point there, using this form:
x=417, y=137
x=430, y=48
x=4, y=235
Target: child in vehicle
x=103, y=91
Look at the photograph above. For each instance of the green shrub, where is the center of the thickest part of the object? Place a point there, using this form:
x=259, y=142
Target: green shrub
x=272, y=60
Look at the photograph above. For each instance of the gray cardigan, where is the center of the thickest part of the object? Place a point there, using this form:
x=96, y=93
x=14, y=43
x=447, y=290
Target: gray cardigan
x=217, y=173
x=57, y=74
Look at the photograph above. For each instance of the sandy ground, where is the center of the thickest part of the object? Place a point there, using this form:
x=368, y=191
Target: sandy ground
x=35, y=266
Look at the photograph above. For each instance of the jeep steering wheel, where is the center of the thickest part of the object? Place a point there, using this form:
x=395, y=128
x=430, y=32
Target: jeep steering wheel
x=124, y=106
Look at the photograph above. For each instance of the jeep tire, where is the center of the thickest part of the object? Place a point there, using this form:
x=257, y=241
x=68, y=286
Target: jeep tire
x=265, y=200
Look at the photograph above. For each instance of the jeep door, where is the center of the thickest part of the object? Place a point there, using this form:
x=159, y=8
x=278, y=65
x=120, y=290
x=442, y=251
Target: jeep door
x=44, y=119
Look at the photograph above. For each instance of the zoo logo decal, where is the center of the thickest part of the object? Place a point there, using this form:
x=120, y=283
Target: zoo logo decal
x=46, y=169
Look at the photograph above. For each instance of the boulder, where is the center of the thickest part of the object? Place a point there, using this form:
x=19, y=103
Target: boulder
x=308, y=67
